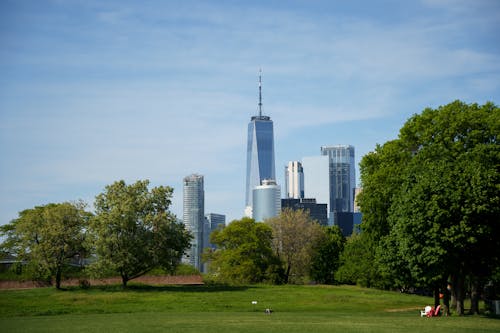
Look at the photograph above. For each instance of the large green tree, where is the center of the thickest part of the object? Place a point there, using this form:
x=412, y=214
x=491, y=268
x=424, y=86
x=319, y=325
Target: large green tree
x=326, y=259
x=358, y=263
x=133, y=230
x=434, y=196
x=295, y=235
x=244, y=253
x=47, y=238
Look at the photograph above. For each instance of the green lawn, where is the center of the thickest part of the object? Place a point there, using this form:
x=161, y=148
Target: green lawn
x=225, y=309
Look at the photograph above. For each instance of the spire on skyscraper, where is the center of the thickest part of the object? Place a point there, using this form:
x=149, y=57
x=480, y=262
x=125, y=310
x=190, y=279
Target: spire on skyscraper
x=260, y=92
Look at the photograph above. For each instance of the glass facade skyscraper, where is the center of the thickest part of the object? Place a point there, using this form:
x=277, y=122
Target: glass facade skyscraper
x=316, y=179
x=212, y=222
x=260, y=153
x=342, y=177
x=330, y=178
x=194, y=216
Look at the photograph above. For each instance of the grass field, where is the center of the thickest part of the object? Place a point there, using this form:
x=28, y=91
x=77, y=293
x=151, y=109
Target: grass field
x=225, y=309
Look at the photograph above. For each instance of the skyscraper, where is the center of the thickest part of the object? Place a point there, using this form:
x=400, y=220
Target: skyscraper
x=342, y=177
x=294, y=180
x=212, y=222
x=330, y=178
x=317, y=179
x=260, y=152
x=194, y=216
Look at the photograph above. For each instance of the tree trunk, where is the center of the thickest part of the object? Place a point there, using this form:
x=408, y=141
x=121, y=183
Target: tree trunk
x=474, y=296
x=446, y=301
x=287, y=274
x=437, y=301
x=58, y=278
x=459, y=291
x=124, y=280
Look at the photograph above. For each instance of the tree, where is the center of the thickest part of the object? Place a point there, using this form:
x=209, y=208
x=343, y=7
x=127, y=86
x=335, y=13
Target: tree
x=358, y=262
x=47, y=237
x=134, y=231
x=294, y=236
x=326, y=260
x=441, y=213
x=243, y=253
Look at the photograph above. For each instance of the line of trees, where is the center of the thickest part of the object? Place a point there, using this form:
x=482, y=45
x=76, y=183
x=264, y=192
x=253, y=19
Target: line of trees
x=289, y=248
x=131, y=233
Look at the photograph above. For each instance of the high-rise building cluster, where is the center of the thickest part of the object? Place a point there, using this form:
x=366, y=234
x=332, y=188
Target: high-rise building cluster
x=324, y=185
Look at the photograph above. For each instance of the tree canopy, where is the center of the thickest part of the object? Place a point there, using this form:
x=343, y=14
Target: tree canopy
x=326, y=259
x=133, y=230
x=47, y=238
x=244, y=253
x=433, y=195
x=295, y=236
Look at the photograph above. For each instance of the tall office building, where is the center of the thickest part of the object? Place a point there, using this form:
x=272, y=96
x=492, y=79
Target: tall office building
x=294, y=180
x=212, y=222
x=194, y=216
x=266, y=200
x=330, y=178
x=317, y=179
x=260, y=153
x=342, y=177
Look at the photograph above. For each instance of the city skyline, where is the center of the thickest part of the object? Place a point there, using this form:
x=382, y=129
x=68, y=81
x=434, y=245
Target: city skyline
x=93, y=92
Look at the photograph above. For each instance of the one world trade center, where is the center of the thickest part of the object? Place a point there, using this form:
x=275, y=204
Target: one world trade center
x=260, y=152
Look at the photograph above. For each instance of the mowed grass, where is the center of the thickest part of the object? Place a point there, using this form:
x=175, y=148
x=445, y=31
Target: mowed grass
x=225, y=309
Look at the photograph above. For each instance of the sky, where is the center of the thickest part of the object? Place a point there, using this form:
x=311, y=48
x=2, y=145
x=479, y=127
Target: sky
x=93, y=91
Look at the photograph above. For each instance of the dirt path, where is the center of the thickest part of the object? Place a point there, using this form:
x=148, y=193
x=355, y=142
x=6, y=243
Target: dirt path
x=150, y=280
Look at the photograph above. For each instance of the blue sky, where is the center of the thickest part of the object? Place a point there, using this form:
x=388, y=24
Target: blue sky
x=96, y=91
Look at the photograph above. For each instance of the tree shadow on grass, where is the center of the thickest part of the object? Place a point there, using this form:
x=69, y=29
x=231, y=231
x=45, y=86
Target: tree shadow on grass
x=139, y=287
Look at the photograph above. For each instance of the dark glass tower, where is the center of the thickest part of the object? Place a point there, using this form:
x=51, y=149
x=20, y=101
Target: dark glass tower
x=260, y=152
x=342, y=177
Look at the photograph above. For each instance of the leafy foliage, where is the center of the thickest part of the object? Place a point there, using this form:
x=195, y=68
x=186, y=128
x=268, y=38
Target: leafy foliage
x=357, y=262
x=326, y=260
x=433, y=196
x=244, y=253
x=47, y=238
x=294, y=237
x=133, y=230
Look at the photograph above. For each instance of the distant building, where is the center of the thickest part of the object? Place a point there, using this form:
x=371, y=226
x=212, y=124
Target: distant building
x=317, y=179
x=294, y=180
x=212, y=222
x=357, y=191
x=342, y=177
x=318, y=212
x=260, y=153
x=266, y=200
x=357, y=217
x=345, y=221
x=194, y=216
x=330, y=178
